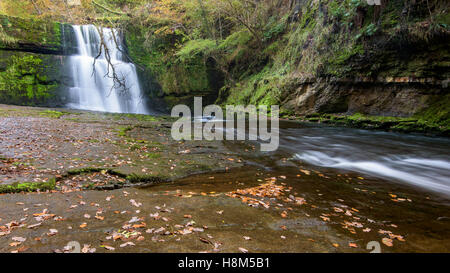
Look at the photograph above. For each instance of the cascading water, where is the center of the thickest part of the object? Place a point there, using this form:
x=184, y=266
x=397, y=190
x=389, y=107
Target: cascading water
x=94, y=87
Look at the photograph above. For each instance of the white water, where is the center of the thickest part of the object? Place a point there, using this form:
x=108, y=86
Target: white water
x=419, y=161
x=426, y=173
x=96, y=90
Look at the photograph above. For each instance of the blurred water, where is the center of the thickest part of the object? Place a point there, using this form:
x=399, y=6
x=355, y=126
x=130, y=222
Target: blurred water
x=95, y=89
x=413, y=160
x=416, y=160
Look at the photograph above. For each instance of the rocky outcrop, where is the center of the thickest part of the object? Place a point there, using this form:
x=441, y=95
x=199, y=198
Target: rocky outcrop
x=30, y=35
x=399, y=97
x=31, y=78
x=31, y=61
x=346, y=57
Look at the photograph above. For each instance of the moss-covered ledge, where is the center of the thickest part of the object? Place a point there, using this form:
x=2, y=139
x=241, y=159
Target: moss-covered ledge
x=415, y=124
x=28, y=187
x=30, y=35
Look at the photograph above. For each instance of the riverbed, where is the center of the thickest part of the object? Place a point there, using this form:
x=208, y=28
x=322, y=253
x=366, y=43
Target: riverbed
x=326, y=189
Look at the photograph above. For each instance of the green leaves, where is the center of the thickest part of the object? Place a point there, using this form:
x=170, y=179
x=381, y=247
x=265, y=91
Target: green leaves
x=196, y=48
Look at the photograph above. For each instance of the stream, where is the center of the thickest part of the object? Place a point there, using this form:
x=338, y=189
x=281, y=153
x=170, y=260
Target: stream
x=339, y=189
x=411, y=160
x=396, y=181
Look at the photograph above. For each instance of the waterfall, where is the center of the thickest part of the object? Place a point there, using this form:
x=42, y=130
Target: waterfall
x=95, y=89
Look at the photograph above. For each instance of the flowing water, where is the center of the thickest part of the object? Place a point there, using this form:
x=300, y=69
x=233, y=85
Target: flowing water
x=94, y=86
x=393, y=182
x=414, y=161
x=397, y=182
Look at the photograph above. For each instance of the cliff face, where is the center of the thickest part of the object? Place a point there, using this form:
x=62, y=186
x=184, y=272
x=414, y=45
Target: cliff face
x=30, y=35
x=313, y=57
x=31, y=61
x=398, y=97
x=351, y=58
x=374, y=63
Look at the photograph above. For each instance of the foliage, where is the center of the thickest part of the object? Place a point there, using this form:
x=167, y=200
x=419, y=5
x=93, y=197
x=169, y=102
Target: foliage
x=274, y=27
x=6, y=39
x=195, y=48
x=239, y=38
x=23, y=82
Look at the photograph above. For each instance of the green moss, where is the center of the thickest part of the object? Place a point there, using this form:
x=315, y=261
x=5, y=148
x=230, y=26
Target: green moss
x=178, y=64
x=23, y=82
x=52, y=114
x=437, y=114
x=418, y=124
x=85, y=171
x=340, y=39
x=275, y=27
x=337, y=63
x=153, y=155
x=28, y=187
x=136, y=178
x=89, y=170
x=157, y=52
x=138, y=117
x=123, y=130
x=45, y=34
x=187, y=78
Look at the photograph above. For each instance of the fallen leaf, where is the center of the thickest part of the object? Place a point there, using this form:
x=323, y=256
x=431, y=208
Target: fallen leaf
x=19, y=239
x=387, y=242
x=108, y=247
x=243, y=250
x=127, y=244
x=52, y=232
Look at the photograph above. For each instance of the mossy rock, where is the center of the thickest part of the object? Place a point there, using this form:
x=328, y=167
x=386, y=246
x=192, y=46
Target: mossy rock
x=28, y=187
x=30, y=35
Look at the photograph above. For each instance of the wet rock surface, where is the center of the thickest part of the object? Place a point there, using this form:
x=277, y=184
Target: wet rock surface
x=230, y=205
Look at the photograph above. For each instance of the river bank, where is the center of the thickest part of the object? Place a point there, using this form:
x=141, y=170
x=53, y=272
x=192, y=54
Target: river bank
x=384, y=123
x=120, y=184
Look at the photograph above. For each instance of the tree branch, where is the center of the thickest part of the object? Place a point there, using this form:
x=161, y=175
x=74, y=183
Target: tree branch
x=108, y=9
